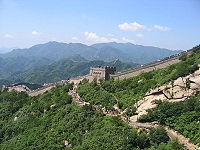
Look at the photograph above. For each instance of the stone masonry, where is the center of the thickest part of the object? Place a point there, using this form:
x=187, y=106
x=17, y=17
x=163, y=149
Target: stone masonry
x=103, y=73
x=96, y=72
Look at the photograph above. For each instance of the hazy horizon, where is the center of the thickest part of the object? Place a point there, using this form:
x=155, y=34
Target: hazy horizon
x=7, y=49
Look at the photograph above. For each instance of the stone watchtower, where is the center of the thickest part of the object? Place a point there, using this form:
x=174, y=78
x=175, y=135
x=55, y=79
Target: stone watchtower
x=100, y=72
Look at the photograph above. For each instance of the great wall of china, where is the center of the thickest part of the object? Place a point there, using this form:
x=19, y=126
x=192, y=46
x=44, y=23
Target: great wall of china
x=118, y=76
x=146, y=67
x=139, y=69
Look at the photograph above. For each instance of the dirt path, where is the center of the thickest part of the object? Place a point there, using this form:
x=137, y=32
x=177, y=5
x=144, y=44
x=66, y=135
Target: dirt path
x=76, y=98
x=171, y=133
x=142, y=107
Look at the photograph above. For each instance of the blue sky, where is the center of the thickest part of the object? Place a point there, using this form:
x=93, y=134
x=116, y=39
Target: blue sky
x=173, y=24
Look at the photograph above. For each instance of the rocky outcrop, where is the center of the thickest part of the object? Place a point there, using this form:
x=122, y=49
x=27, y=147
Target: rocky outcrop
x=175, y=91
x=181, y=88
x=67, y=144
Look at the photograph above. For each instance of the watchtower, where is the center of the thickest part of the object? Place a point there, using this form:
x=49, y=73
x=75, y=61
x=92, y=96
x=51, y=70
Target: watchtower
x=102, y=72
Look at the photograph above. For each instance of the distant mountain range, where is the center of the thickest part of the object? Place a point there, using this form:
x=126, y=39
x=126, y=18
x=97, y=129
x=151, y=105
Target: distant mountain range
x=131, y=52
x=126, y=52
x=55, y=61
x=59, y=70
x=5, y=50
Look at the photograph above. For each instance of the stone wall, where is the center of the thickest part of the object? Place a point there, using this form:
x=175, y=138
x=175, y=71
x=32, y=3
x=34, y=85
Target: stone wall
x=102, y=72
x=40, y=91
x=19, y=89
x=146, y=68
x=77, y=80
x=151, y=66
x=135, y=71
x=46, y=87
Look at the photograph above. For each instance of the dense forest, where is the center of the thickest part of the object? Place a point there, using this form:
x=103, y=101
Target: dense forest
x=53, y=121
x=34, y=70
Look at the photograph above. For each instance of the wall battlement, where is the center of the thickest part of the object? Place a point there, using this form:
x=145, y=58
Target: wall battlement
x=104, y=67
x=102, y=72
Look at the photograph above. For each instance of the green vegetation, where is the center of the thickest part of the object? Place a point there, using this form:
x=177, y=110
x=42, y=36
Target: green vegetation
x=12, y=66
x=50, y=62
x=60, y=70
x=10, y=102
x=127, y=92
x=182, y=116
x=171, y=145
x=52, y=121
x=66, y=68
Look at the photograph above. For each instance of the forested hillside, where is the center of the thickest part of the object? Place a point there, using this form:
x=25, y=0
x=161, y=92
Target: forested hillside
x=15, y=65
x=125, y=93
x=131, y=52
x=60, y=70
x=128, y=91
x=52, y=121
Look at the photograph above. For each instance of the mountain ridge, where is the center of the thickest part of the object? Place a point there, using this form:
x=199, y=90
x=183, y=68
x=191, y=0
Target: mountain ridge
x=102, y=51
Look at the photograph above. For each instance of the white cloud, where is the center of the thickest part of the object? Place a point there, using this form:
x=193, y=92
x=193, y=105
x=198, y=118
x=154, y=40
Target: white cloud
x=94, y=38
x=75, y=38
x=8, y=36
x=127, y=40
x=162, y=28
x=109, y=34
x=90, y=36
x=139, y=35
x=132, y=26
x=35, y=33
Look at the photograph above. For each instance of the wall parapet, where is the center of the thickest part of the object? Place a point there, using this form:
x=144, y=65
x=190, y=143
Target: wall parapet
x=150, y=66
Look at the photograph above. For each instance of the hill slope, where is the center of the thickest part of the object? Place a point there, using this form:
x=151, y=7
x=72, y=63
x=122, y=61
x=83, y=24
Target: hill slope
x=19, y=64
x=137, y=53
x=53, y=50
x=52, y=121
x=63, y=69
x=123, y=95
